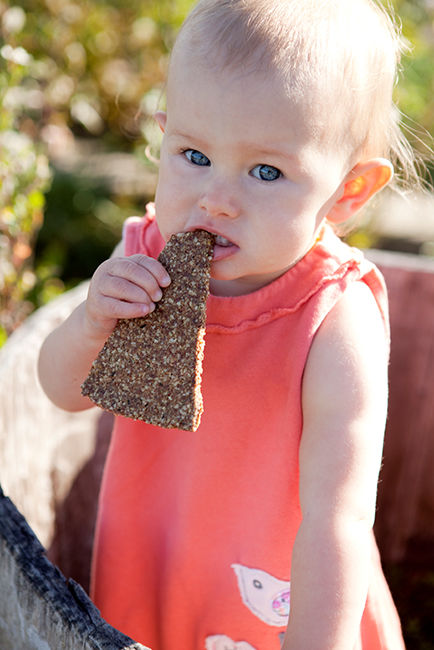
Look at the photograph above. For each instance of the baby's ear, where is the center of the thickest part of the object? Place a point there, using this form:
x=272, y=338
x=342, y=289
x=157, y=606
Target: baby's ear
x=363, y=181
x=161, y=117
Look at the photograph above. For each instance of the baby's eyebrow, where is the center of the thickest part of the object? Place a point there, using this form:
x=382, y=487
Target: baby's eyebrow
x=183, y=135
x=185, y=138
x=274, y=151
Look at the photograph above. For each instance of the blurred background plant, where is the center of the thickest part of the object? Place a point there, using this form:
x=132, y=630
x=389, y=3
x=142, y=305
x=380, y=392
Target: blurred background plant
x=415, y=91
x=79, y=82
x=24, y=176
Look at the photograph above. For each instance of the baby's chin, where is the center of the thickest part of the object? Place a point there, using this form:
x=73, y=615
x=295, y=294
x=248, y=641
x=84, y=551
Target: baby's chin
x=221, y=285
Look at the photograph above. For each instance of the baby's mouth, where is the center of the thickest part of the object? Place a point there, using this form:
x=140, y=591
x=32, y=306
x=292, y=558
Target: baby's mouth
x=222, y=241
x=223, y=248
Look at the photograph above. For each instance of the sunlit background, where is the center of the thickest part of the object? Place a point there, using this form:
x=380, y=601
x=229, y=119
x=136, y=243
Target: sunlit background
x=79, y=83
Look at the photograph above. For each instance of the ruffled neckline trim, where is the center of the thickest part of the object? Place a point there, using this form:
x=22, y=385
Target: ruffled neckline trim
x=328, y=261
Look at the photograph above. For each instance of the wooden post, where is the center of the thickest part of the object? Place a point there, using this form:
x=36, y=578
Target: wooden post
x=406, y=489
x=39, y=608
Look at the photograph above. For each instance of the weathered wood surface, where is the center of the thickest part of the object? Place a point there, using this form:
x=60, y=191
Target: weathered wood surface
x=50, y=461
x=406, y=489
x=39, y=608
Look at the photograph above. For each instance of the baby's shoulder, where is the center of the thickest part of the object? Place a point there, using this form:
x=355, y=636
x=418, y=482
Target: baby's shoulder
x=351, y=349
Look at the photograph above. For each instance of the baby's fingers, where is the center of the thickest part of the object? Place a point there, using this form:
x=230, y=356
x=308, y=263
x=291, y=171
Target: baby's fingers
x=152, y=266
x=134, y=279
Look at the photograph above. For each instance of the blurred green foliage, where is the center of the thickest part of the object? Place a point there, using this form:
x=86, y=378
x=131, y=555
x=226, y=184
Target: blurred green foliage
x=93, y=62
x=71, y=70
x=415, y=92
x=94, y=70
x=24, y=176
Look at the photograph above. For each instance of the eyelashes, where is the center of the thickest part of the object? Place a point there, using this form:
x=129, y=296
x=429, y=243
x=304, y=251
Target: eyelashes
x=266, y=173
x=197, y=157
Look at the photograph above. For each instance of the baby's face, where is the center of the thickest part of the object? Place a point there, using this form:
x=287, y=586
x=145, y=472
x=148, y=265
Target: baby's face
x=242, y=160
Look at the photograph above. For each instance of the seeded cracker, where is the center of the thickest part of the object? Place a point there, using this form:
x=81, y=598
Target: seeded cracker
x=150, y=368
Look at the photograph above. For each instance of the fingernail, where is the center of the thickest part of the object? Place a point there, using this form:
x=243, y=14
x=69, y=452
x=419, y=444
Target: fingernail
x=165, y=281
x=157, y=294
x=147, y=309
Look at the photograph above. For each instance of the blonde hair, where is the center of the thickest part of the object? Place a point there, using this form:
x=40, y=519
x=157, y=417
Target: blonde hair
x=348, y=50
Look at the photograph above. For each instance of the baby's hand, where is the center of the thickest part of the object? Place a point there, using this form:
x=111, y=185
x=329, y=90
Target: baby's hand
x=123, y=287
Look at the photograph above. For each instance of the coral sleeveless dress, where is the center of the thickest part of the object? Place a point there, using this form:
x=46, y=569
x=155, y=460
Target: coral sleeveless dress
x=195, y=530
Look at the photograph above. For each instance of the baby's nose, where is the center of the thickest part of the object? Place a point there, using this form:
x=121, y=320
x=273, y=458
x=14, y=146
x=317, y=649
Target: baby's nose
x=220, y=199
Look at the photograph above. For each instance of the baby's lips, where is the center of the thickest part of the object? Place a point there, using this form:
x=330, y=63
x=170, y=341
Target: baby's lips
x=223, y=241
x=223, y=249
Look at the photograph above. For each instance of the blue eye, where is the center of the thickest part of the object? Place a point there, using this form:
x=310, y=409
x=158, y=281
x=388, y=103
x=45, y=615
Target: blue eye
x=197, y=158
x=266, y=173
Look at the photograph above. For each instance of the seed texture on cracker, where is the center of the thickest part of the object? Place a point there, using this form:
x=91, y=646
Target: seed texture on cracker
x=150, y=368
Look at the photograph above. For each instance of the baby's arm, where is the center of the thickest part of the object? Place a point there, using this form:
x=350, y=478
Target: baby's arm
x=121, y=287
x=344, y=411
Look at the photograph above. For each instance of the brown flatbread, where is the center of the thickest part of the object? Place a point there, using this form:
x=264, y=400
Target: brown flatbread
x=150, y=368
